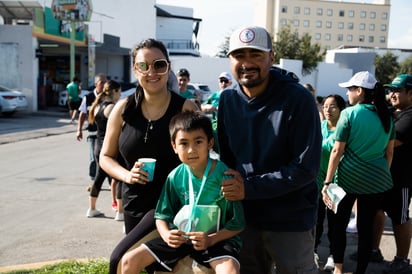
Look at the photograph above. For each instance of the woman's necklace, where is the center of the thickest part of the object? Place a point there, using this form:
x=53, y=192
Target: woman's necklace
x=158, y=115
x=149, y=126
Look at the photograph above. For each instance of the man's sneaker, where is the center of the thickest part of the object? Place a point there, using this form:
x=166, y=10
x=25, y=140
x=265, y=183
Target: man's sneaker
x=330, y=264
x=398, y=265
x=93, y=213
x=352, y=228
x=119, y=217
x=376, y=256
x=114, y=206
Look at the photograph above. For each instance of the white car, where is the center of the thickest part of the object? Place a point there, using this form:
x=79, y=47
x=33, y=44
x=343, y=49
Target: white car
x=11, y=101
x=63, y=97
x=201, y=89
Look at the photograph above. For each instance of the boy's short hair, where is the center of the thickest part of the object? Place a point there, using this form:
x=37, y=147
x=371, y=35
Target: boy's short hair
x=189, y=121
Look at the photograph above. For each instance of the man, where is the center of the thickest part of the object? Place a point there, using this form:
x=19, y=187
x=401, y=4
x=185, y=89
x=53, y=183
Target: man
x=211, y=104
x=73, y=98
x=87, y=101
x=183, y=78
x=269, y=132
x=398, y=199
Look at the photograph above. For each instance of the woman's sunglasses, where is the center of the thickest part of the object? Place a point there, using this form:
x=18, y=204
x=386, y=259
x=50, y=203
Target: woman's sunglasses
x=159, y=66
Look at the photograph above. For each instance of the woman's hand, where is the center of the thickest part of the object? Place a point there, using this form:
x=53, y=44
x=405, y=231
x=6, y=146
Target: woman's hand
x=325, y=197
x=137, y=175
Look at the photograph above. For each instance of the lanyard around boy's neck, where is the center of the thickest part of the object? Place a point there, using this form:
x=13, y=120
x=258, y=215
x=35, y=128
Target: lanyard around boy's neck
x=192, y=201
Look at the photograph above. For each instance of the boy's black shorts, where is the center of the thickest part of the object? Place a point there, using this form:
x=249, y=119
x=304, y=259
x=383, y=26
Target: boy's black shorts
x=167, y=257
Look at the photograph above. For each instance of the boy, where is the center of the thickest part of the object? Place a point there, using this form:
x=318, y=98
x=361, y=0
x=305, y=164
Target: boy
x=192, y=138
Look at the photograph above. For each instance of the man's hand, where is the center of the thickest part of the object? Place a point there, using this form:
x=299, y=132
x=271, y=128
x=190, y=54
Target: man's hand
x=233, y=189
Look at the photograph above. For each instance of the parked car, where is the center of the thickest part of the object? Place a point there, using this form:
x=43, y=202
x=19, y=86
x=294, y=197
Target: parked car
x=62, y=101
x=201, y=89
x=12, y=100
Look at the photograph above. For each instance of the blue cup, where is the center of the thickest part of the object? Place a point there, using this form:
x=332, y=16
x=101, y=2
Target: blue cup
x=148, y=166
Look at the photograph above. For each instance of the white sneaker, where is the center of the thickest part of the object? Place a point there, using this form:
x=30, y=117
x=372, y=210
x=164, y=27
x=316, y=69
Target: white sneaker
x=93, y=213
x=119, y=217
x=316, y=257
x=330, y=264
x=351, y=228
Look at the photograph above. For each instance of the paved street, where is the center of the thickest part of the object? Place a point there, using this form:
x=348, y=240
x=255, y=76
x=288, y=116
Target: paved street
x=44, y=199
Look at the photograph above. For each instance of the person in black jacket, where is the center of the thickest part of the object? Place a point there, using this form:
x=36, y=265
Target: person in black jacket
x=269, y=134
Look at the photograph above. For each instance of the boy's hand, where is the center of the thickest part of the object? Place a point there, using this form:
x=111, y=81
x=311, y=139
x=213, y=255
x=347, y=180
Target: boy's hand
x=175, y=238
x=200, y=240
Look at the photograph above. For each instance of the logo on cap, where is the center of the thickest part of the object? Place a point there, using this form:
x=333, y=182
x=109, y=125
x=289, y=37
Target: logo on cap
x=246, y=36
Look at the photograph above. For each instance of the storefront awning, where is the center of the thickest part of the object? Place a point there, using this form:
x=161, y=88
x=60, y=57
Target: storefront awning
x=18, y=10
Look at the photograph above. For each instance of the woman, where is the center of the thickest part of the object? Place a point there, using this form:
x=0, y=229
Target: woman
x=332, y=106
x=359, y=162
x=138, y=128
x=98, y=114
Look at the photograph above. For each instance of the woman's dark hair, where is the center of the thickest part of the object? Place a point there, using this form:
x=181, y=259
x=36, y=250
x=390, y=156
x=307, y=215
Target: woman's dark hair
x=189, y=121
x=341, y=104
x=377, y=97
x=107, y=94
x=136, y=98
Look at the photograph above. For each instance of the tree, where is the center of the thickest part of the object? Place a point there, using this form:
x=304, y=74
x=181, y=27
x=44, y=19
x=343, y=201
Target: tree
x=224, y=47
x=406, y=66
x=387, y=67
x=289, y=46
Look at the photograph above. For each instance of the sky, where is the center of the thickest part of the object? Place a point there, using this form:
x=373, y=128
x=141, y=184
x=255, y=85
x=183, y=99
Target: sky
x=220, y=18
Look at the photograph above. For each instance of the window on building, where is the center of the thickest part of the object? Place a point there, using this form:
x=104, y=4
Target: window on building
x=384, y=15
x=363, y=14
x=372, y=15
x=296, y=10
x=318, y=36
x=362, y=26
x=362, y=38
x=350, y=25
x=341, y=25
x=328, y=24
x=350, y=38
x=329, y=12
x=340, y=37
x=283, y=22
x=371, y=27
x=306, y=11
x=284, y=9
x=327, y=36
x=306, y=23
x=383, y=27
x=351, y=13
x=382, y=39
x=341, y=13
x=296, y=23
x=371, y=39
x=319, y=11
x=318, y=24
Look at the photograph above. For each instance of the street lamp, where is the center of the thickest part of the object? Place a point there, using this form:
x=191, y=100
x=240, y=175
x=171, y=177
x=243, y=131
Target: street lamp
x=73, y=11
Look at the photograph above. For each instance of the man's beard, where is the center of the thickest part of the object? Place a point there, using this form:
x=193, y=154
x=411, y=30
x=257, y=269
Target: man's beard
x=250, y=83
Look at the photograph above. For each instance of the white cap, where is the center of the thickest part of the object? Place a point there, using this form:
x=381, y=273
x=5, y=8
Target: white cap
x=225, y=75
x=361, y=79
x=250, y=37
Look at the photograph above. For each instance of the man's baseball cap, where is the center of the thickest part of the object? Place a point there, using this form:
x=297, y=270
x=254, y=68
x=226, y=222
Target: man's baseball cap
x=250, y=37
x=362, y=79
x=225, y=75
x=401, y=81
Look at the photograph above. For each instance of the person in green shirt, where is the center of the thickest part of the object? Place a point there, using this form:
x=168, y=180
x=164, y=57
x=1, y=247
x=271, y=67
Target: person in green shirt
x=211, y=105
x=73, y=98
x=197, y=183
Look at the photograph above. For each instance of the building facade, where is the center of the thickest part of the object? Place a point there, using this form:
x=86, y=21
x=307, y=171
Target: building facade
x=332, y=24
